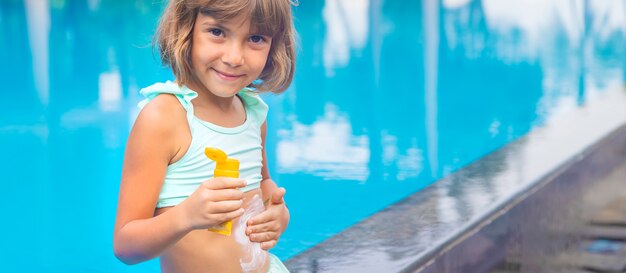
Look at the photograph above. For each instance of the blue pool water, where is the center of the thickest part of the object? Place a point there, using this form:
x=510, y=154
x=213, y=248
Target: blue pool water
x=389, y=97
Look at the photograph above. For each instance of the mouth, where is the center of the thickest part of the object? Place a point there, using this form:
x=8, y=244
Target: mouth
x=227, y=76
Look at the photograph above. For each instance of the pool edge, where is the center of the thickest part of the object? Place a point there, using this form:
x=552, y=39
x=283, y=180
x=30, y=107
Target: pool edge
x=414, y=237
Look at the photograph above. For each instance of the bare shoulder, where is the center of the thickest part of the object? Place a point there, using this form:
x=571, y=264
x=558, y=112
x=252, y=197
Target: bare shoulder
x=160, y=126
x=163, y=112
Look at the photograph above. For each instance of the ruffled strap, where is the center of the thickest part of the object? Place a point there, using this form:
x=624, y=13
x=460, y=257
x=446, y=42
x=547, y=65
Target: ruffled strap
x=182, y=93
x=255, y=106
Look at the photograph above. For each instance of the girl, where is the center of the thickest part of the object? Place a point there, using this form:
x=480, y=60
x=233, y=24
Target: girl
x=219, y=51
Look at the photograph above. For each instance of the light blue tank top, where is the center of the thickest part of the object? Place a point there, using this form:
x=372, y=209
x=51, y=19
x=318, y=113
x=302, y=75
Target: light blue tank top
x=242, y=143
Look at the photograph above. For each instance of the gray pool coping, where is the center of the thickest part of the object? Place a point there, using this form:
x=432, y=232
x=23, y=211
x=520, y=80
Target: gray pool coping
x=413, y=233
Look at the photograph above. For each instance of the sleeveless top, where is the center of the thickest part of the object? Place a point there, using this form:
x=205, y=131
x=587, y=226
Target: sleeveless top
x=242, y=143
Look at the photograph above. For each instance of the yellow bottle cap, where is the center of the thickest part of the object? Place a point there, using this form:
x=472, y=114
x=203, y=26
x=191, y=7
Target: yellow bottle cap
x=223, y=163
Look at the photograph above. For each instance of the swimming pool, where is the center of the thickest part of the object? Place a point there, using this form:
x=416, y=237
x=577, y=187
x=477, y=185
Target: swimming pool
x=388, y=98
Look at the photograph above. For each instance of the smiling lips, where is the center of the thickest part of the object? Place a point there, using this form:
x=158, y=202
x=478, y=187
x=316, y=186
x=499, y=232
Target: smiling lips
x=226, y=76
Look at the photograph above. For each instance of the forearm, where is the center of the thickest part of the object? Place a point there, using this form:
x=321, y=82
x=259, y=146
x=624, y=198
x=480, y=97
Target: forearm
x=145, y=239
x=268, y=186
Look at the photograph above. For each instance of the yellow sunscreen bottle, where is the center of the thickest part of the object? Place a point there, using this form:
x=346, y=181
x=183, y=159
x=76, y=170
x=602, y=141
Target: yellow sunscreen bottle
x=224, y=167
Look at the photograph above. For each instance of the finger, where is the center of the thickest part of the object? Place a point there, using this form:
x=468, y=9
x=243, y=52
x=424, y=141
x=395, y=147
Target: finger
x=224, y=183
x=226, y=194
x=263, y=237
x=277, y=195
x=225, y=206
x=264, y=227
x=264, y=217
x=268, y=245
x=223, y=217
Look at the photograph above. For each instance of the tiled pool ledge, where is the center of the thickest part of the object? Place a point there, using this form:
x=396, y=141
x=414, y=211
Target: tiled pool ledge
x=464, y=222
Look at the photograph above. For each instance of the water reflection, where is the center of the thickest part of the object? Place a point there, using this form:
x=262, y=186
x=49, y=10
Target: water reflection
x=68, y=68
x=38, y=19
x=448, y=87
x=431, y=68
x=347, y=31
x=109, y=91
x=343, y=156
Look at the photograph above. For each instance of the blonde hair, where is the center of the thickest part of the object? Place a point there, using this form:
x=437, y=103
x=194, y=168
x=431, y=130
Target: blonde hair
x=267, y=17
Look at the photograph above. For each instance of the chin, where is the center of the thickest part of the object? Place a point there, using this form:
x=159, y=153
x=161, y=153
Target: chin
x=225, y=92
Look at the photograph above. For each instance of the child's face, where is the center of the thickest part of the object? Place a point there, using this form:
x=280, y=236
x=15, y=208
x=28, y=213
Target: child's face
x=226, y=56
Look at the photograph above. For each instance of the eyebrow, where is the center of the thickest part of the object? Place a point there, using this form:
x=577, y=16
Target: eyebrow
x=218, y=25
x=226, y=29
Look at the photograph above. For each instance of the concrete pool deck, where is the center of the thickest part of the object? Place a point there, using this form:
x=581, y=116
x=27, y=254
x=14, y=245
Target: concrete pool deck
x=470, y=220
x=590, y=238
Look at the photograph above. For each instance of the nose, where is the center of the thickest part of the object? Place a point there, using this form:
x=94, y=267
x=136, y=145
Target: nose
x=233, y=55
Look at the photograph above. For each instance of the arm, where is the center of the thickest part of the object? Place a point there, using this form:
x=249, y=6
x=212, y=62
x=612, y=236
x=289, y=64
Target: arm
x=138, y=236
x=154, y=142
x=267, y=227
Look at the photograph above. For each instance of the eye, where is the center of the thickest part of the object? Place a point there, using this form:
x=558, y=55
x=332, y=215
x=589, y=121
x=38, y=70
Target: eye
x=216, y=32
x=257, y=39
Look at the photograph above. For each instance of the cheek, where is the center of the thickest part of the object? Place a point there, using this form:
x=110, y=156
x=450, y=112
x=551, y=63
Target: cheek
x=260, y=60
x=195, y=57
x=202, y=52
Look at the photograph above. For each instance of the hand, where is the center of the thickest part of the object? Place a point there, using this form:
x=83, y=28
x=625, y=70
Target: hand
x=214, y=202
x=267, y=227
